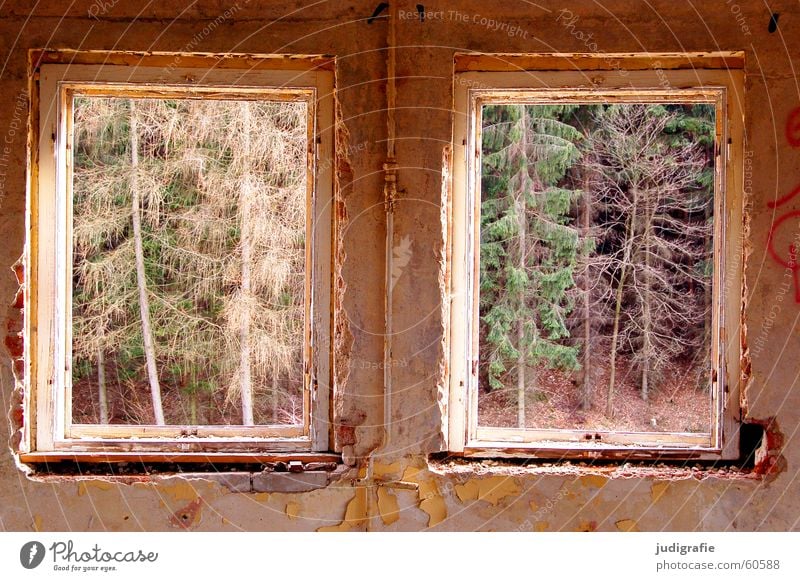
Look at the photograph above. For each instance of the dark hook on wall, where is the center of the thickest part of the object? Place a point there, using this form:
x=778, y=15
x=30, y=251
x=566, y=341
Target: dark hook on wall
x=377, y=12
x=773, y=22
x=421, y=11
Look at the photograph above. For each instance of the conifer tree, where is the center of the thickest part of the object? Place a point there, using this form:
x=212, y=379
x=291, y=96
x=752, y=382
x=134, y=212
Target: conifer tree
x=528, y=245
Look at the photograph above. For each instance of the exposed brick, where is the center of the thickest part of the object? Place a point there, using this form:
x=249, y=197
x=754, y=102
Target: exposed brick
x=289, y=481
x=345, y=435
x=19, y=300
x=14, y=345
x=14, y=324
x=19, y=272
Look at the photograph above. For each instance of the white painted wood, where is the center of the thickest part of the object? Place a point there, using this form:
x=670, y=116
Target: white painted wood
x=49, y=252
x=675, y=82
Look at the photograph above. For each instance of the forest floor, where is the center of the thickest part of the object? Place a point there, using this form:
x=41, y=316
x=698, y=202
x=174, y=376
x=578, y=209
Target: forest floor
x=676, y=405
x=130, y=404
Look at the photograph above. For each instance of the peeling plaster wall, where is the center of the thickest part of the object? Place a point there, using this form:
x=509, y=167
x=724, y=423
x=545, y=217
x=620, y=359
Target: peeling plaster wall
x=476, y=497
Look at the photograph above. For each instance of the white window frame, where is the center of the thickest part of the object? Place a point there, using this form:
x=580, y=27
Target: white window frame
x=587, y=79
x=48, y=432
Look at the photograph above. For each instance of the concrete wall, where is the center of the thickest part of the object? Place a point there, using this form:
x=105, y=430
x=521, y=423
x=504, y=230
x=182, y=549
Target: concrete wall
x=451, y=497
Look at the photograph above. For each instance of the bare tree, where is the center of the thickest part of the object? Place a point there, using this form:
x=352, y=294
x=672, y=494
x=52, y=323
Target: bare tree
x=141, y=278
x=648, y=187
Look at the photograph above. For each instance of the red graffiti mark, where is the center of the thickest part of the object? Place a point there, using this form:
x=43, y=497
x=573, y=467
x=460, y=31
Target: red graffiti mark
x=781, y=201
x=791, y=263
x=793, y=128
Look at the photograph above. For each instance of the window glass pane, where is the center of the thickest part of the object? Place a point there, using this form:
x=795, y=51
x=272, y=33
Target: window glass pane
x=188, y=261
x=596, y=259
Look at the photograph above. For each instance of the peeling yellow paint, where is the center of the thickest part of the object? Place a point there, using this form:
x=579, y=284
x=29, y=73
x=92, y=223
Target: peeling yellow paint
x=533, y=505
x=594, y=480
x=381, y=470
x=586, y=526
x=492, y=489
x=658, y=489
x=180, y=490
x=37, y=523
x=430, y=499
x=540, y=527
x=467, y=491
x=292, y=510
x=627, y=525
x=261, y=496
x=436, y=509
x=84, y=486
x=388, y=507
x=355, y=514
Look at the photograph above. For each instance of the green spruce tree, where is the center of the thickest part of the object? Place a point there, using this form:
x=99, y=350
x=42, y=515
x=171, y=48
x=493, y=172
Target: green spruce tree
x=528, y=245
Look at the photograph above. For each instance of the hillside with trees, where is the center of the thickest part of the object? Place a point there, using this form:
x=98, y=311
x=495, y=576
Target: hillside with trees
x=595, y=266
x=188, y=290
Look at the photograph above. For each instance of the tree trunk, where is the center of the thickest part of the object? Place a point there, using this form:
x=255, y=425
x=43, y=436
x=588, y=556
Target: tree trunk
x=704, y=379
x=141, y=281
x=630, y=229
x=275, y=393
x=586, y=387
x=245, y=379
x=647, y=326
x=193, y=408
x=614, y=338
x=102, y=392
x=522, y=360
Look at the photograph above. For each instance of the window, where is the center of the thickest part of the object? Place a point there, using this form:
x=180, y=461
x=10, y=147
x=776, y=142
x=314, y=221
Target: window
x=596, y=274
x=179, y=258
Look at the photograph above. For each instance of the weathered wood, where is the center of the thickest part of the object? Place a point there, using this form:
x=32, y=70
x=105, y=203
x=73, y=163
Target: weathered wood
x=272, y=78
x=594, y=62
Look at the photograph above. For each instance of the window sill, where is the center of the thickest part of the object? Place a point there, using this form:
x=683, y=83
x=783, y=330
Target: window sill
x=656, y=470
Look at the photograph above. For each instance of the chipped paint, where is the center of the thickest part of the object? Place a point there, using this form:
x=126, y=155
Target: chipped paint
x=292, y=510
x=492, y=489
x=656, y=496
x=179, y=490
x=627, y=525
x=657, y=490
x=430, y=499
x=355, y=514
x=587, y=526
x=188, y=516
x=594, y=481
x=387, y=506
x=84, y=486
x=380, y=471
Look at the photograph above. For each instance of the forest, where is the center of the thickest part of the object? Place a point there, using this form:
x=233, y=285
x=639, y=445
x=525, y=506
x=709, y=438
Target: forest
x=188, y=261
x=596, y=262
